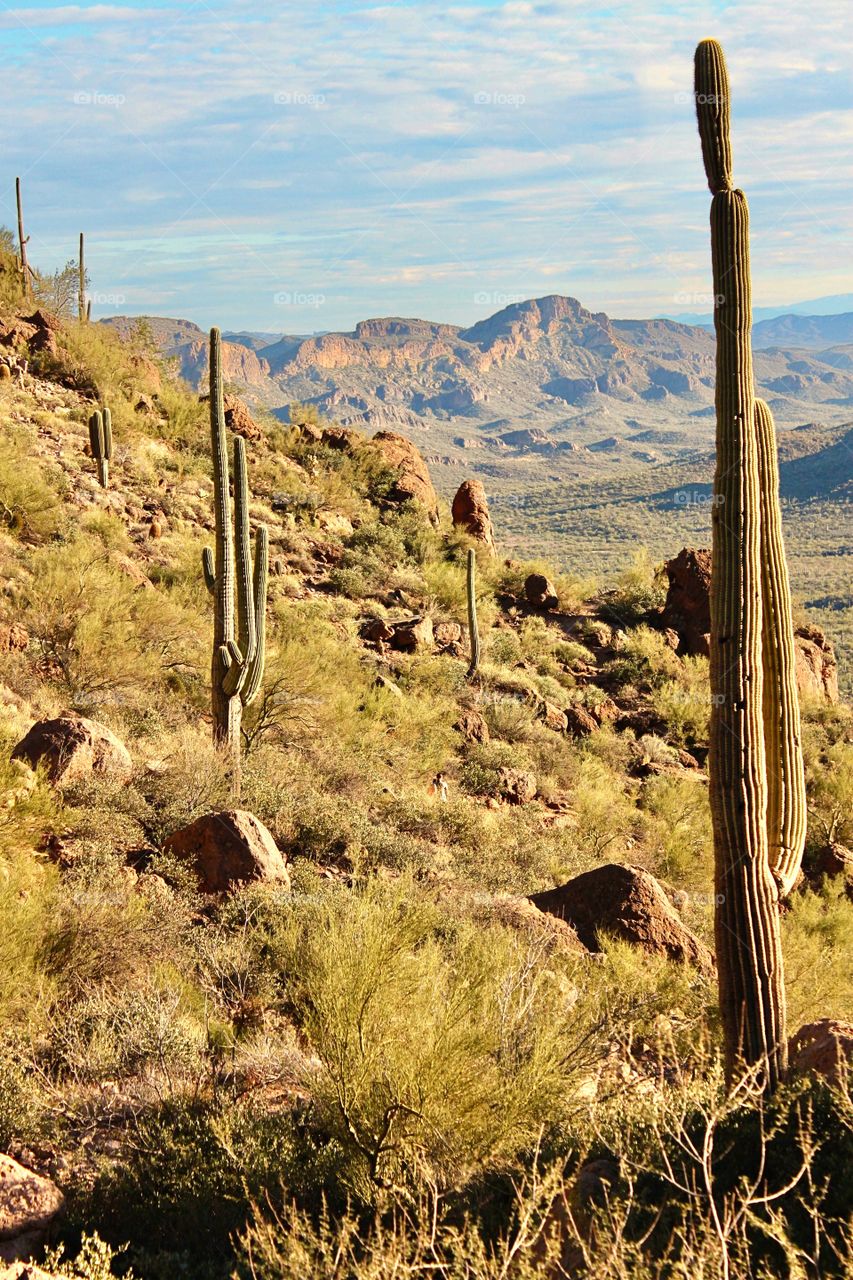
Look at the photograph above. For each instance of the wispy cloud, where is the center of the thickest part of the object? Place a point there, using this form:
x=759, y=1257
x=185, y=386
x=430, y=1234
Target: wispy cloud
x=410, y=157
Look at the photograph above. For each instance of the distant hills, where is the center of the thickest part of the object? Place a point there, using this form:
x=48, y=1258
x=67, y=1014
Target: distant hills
x=545, y=376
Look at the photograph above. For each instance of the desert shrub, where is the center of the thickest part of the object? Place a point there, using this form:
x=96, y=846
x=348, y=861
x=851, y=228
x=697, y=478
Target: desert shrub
x=684, y=703
x=646, y=661
x=437, y=1054
x=104, y=644
x=30, y=492
x=639, y=591
x=679, y=830
x=818, y=948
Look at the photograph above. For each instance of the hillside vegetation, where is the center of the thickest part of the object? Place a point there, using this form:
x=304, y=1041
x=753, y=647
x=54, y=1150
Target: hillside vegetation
x=392, y=1064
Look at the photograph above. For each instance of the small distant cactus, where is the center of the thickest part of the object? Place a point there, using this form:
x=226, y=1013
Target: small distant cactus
x=81, y=286
x=239, y=644
x=101, y=442
x=473, y=628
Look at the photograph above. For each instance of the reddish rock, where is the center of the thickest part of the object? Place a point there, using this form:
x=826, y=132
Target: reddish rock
x=13, y=637
x=447, y=634
x=553, y=718
x=71, y=747
x=816, y=665
x=238, y=419
x=517, y=786
x=580, y=722
x=470, y=512
x=628, y=903
x=472, y=726
x=540, y=592
x=412, y=481
x=228, y=849
x=825, y=1047
x=687, y=610
x=606, y=711
x=29, y=1204
x=376, y=631
x=413, y=634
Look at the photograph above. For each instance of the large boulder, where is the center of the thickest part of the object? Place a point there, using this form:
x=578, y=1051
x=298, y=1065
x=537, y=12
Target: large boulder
x=628, y=903
x=238, y=419
x=29, y=1204
x=472, y=726
x=816, y=666
x=13, y=637
x=72, y=747
x=517, y=786
x=470, y=512
x=414, y=634
x=825, y=1047
x=412, y=482
x=540, y=592
x=580, y=722
x=227, y=849
x=687, y=610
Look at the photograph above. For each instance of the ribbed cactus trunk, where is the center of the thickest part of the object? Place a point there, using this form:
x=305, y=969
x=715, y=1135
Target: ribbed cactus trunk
x=239, y=637
x=786, y=783
x=81, y=285
x=22, y=241
x=226, y=707
x=749, y=957
x=101, y=443
x=473, y=627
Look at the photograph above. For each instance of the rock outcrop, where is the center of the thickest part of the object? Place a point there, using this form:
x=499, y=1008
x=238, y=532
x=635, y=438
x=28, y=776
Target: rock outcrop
x=687, y=610
x=227, y=849
x=540, y=592
x=72, y=747
x=817, y=668
x=825, y=1047
x=29, y=1204
x=517, y=786
x=628, y=903
x=412, y=635
x=470, y=512
x=412, y=482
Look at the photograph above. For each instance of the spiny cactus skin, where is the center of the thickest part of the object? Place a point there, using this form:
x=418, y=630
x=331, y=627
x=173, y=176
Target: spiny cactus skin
x=22, y=241
x=101, y=442
x=239, y=638
x=749, y=957
x=473, y=628
x=786, y=783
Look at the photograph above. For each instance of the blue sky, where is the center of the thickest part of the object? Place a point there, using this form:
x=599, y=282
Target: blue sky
x=294, y=167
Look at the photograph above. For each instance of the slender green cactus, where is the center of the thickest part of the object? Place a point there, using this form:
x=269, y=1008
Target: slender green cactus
x=101, y=442
x=749, y=956
x=81, y=285
x=239, y=636
x=473, y=627
x=786, y=783
x=22, y=242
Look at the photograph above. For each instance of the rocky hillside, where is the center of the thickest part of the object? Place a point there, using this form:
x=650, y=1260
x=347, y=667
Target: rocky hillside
x=446, y=967
x=547, y=365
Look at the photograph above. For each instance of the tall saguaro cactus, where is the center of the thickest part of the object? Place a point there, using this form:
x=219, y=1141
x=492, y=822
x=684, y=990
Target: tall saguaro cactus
x=239, y=637
x=745, y=626
x=473, y=628
x=22, y=240
x=101, y=442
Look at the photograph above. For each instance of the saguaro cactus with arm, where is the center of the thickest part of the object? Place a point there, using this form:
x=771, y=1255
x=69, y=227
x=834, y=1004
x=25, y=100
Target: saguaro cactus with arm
x=749, y=957
x=239, y=636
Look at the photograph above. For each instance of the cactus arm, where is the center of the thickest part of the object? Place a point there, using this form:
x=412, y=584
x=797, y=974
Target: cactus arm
x=108, y=434
x=256, y=666
x=207, y=569
x=243, y=554
x=473, y=628
x=786, y=784
x=749, y=958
